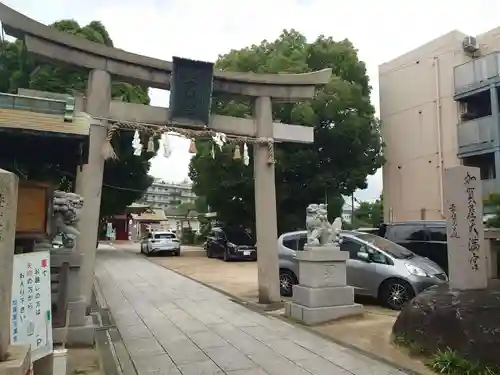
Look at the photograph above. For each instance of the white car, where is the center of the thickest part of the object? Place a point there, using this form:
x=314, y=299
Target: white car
x=160, y=241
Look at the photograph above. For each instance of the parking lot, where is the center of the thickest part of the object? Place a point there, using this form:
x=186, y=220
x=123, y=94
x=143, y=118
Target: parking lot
x=238, y=279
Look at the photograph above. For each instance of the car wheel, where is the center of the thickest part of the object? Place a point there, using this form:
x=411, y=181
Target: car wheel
x=177, y=253
x=209, y=253
x=142, y=249
x=287, y=281
x=226, y=256
x=395, y=294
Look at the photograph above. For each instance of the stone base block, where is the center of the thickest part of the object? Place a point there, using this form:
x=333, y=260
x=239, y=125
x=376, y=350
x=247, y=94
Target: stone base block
x=83, y=335
x=317, y=315
x=78, y=311
x=18, y=361
x=323, y=297
x=323, y=254
x=322, y=267
x=44, y=365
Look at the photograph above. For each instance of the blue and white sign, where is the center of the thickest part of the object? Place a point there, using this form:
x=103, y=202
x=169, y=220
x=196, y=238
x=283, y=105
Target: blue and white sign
x=31, y=312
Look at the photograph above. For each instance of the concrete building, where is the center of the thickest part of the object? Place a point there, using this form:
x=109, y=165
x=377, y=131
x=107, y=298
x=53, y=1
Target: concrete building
x=165, y=195
x=439, y=108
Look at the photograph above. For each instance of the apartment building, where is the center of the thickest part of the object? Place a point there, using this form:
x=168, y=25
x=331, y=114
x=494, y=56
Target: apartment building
x=165, y=195
x=439, y=108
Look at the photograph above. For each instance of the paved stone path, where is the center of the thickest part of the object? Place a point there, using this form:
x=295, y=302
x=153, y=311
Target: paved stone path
x=173, y=325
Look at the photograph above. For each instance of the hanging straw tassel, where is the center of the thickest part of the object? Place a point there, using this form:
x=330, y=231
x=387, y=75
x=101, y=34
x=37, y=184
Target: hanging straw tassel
x=107, y=148
x=192, y=147
x=270, y=148
x=237, y=153
x=151, y=144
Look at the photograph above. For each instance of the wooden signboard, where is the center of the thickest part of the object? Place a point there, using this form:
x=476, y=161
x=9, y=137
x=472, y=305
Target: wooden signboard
x=33, y=207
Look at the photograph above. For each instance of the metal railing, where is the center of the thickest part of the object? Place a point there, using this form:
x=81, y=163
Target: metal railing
x=39, y=105
x=473, y=73
x=477, y=131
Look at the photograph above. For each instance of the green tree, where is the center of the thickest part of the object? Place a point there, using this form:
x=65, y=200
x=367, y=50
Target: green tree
x=347, y=145
x=18, y=70
x=493, y=202
x=201, y=205
x=370, y=213
x=335, y=205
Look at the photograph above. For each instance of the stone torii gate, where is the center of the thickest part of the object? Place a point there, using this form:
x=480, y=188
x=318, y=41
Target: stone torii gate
x=104, y=62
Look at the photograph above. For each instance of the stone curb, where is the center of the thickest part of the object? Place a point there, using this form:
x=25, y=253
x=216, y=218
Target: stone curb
x=113, y=358
x=265, y=309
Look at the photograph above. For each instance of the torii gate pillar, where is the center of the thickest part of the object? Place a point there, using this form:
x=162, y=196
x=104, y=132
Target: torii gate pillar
x=265, y=207
x=89, y=179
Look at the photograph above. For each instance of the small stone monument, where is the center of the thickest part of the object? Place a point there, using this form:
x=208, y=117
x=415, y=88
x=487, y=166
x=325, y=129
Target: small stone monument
x=463, y=315
x=322, y=293
x=467, y=257
x=14, y=359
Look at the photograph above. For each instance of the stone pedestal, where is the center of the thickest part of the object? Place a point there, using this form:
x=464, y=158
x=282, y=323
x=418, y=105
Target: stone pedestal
x=81, y=330
x=18, y=360
x=322, y=293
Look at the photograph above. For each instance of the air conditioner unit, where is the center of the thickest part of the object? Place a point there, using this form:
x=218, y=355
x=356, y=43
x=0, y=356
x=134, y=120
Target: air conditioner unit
x=470, y=45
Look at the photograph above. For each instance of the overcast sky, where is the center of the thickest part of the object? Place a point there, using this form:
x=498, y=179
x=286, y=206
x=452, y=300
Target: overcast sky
x=380, y=30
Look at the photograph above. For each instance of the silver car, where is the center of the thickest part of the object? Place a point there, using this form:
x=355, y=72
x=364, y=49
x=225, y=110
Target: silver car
x=155, y=242
x=377, y=267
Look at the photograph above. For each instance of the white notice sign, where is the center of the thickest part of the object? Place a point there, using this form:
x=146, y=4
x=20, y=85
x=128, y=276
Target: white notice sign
x=31, y=312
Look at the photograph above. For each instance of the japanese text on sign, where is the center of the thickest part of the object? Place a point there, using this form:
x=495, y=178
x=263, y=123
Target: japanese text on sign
x=473, y=233
x=454, y=223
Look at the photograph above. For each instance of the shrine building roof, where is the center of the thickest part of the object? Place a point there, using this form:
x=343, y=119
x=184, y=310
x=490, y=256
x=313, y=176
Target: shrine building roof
x=36, y=114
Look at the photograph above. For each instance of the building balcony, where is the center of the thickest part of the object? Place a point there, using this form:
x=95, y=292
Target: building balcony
x=477, y=74
x=475, y=136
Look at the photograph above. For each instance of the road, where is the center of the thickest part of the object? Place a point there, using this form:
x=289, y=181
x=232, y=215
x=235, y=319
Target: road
x=173, y=325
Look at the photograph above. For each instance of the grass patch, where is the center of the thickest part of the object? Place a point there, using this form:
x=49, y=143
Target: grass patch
x=450, y=362
x=447, y=361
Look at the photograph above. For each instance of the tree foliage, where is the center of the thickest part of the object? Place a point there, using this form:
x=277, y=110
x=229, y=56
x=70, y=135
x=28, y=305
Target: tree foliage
x=18, y=70
x=493, y=202
x=347, y=144
x=369, y=213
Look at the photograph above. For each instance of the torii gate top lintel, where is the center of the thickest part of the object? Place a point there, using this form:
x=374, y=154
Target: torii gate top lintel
x=51, y=44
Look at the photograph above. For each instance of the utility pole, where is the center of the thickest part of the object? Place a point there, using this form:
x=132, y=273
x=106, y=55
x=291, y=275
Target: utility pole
x=352, y=209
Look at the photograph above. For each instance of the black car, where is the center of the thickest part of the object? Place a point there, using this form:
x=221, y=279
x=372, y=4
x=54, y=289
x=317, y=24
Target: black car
x=424, y=237
x=231, y=244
